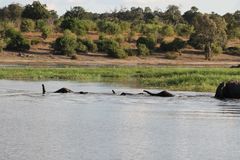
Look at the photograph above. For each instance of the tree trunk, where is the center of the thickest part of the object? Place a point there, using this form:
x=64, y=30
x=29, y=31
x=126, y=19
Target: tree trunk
x=208, y=51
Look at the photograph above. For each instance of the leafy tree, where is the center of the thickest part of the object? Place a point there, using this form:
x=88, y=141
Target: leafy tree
x=75, y=25
x=167, y=30
x=76, y=12
x=212, y=32
x=11, y=12
x=108, y=27
x=176, y=45
x=27, y=25
x=184, y=29
x=191, y=15
x=66, y=44
x=150, y=42
x=173, y=15
x=16, y=41
x=36, y=11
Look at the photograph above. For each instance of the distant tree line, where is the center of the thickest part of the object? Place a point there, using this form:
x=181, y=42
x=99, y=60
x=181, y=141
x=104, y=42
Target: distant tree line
x=145, y=27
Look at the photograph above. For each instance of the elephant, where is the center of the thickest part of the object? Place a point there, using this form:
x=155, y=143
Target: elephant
x=160, y=94
x=230, y=89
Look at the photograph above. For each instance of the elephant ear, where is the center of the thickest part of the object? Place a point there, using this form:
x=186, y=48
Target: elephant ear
x=219, y=91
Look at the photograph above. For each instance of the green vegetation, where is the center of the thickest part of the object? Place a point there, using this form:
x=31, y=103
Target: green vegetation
x=185, y=79
x=208, y=32
x=16, y=41
x=66, y=44
x=27, y=25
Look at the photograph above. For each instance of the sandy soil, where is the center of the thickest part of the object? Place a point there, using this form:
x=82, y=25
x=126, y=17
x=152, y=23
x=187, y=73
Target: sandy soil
x=40, y=55
x=96, y=59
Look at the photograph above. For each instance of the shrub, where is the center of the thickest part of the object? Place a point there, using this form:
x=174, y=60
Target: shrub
x=119, y=38
x=216, y=49
x=233, y=50
x=74, y=25
x=40, y=24
x=176, y=45
x=184, y=29
x=167, y=30
x=81, y=47
x=74, y=57
x=91, y=46
x=16, y=41
x=143, y=50
x=196, y=41
x=46, y=31
x=131, y=52
x=66, y=44
x=35, y=41
x=104, y=44
x=27, y=25
x=116, y=52
x=2, y=45
x=108, y=27
x=171, y=55
x=150, y=42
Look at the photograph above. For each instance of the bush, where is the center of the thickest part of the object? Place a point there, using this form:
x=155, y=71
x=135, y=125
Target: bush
x=176, y=45
x=119, y=38
x=216, y=49
x=46, y=31
x=91, y=46
x=81, y=47
x=149, y=42
x=196, y=41
x=171, y=55
x=131, y=52
x=233, y=50
x=184, y=29
x=15, y=41
x=104, y=44
x=74, y=25
x=27, y=25
x=167, y=30
x=108, y=27
x=2, y=45
x=35, y=41
x=143, y=50
x=40, y=24
x=116, y=52
x=67, y=44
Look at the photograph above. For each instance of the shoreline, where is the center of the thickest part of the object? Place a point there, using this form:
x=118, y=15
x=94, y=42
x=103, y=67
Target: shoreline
x=164, y=78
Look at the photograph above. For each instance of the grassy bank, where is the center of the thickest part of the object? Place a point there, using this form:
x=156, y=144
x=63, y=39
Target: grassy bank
x=184, y=79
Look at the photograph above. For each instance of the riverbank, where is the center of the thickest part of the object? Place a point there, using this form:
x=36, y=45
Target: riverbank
x=170, y=78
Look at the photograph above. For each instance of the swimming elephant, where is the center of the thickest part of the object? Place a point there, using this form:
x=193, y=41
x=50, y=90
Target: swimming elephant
x=62, y=90
x=230, y=89
x=160, y=94
x=126, y=94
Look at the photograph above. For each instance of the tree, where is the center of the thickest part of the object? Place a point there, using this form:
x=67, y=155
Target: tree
x=173, y=15
x=212, y=33
x=27, y=25
x=12, y=12
x=76, y=12
x=16, y=41
x=36, y=11
x=67, y=44
x=191, y=15
x=109, y=27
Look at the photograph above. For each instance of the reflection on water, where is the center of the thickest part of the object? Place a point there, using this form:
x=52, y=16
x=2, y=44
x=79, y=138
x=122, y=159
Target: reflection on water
x=110, y=127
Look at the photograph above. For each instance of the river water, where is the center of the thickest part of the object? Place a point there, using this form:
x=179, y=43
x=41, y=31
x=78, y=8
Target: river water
x=102, y=126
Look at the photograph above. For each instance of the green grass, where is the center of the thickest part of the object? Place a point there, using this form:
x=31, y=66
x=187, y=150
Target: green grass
x=181, y=79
